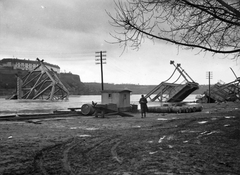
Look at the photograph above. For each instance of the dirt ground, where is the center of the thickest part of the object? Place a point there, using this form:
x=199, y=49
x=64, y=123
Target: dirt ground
x=206, y=142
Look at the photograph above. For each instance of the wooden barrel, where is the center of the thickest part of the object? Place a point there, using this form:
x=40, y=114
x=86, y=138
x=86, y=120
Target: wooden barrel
x=194, y=109
x=186, y=109
x=152, y=109
x=189, y=109
x=165, y=109
x=87, y=109
x=199, y=108
x=177, y=109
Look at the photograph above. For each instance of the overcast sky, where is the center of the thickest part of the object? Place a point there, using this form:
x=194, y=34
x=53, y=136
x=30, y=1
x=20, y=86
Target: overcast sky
x=69, y=32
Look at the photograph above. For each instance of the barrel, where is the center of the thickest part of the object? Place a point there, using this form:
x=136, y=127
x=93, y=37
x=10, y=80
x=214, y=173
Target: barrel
x=177, y=109
x=87, y=109
x=185, y=109
x=199, y=108
x=134, y=108
x=165, y=109
x=153, y=109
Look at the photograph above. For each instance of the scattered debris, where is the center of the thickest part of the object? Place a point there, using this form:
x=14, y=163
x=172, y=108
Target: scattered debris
x=170, y=137
x=203, y=132
x=84, y=135
x=153, y=152
x=162, y=119
x=229, y=116
x=202, y=122
x=212, y=132
x=161, y=139
x=208, y=133
x=92, y=129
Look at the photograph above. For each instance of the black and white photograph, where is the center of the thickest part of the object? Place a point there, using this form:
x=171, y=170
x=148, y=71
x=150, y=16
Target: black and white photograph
x=119, y=87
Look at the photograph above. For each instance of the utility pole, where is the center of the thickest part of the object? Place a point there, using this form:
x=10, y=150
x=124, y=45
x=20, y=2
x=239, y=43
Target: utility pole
x=100, y=57
x=209, y=76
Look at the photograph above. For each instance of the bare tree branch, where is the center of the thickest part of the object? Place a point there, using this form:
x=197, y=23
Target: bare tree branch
x=211, y=25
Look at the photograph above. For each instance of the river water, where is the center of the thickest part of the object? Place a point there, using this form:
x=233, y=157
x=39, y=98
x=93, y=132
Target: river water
x=9, y=107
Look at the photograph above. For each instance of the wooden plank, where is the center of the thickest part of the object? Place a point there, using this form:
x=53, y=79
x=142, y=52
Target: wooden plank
x=73, y=109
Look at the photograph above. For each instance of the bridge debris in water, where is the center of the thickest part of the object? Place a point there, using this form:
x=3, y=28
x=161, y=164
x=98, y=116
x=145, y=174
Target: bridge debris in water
x=41, y=83
x=174, y=92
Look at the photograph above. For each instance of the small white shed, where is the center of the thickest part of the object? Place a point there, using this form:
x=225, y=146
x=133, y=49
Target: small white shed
x=119, y=97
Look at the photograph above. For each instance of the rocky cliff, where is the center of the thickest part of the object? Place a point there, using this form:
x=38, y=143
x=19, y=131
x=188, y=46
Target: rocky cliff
x=73, y=83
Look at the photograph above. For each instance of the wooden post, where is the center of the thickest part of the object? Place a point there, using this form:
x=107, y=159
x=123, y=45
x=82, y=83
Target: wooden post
x=101, y=64
x=209, y=76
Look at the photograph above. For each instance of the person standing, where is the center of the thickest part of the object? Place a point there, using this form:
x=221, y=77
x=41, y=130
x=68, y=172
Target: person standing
x=143, y=104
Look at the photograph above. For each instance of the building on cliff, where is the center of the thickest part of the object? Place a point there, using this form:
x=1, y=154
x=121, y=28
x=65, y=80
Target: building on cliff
x=23, y=64
x=10, y=67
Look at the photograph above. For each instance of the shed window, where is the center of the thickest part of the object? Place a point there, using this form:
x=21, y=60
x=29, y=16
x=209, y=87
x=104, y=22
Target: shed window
x=125, y=96
x=109, y=95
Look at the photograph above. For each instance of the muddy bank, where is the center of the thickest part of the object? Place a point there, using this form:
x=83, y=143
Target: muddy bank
x=206, y=142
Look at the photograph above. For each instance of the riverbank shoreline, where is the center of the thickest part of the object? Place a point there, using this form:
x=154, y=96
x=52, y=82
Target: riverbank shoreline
x=206, y=142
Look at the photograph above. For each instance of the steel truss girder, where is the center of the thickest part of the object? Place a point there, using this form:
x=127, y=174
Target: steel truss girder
x=225, y=92
x=43, y=83
x=176, y=92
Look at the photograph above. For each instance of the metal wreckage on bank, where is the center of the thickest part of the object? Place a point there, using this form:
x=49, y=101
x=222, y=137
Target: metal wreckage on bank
x=222, y=92
x=177, y=92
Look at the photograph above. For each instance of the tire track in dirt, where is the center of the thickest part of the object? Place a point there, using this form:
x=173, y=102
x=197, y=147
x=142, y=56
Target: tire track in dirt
x=69, y=146
x=88, y=150
x=66, y=164
x=64, y=150
x=114, y=153
x=38, y=162
x=96, y=145
x=85, y=148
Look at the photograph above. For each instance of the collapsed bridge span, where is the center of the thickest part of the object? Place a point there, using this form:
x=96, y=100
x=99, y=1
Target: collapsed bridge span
x=40, y=83
x=174, y=92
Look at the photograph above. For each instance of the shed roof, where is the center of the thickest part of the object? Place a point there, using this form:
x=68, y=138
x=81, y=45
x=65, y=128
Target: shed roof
x=116, y=91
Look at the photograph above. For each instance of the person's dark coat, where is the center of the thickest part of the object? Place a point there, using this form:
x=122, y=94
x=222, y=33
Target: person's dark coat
x=143, y=104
